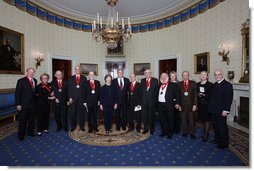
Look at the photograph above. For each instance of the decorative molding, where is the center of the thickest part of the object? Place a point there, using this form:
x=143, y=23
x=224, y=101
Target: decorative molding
x=43, y=10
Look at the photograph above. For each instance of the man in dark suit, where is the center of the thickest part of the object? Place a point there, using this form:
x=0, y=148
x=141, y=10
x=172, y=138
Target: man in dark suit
x=188, y=95
x=25, y=97
x=59, y=88
x=121, y=85
x=168, y=99
x=91, y=101
x=134, y=104
x=149, y=94
x=7, y=60
x=219, y=107
x=76, y=86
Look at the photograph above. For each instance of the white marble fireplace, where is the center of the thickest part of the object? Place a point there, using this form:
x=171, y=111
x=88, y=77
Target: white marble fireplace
x=240, y=90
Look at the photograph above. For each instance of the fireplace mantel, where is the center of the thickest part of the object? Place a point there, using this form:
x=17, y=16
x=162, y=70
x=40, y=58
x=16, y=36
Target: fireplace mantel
x=240, y=90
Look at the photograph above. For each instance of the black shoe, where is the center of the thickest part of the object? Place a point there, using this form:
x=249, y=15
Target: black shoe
x=169, y=136
x=221, y=146
x=124, y=128
x=131, y=129
x=31, y=135
x=96, y=130
x=82, y=129
x=215, y=142
x=162, y=135
x=21, y=138
x=90, y=131
x=145, y=131
x=118, y=129
x=184, y=135
x=138, y=130
x=193, y=137
x=151, y=132
x=73, y=129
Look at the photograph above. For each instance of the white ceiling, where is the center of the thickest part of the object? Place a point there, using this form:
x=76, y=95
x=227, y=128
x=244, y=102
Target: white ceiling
x=136, y=9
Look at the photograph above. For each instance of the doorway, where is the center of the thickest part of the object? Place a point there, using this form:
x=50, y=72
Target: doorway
x=62, y=65
x=167, y=66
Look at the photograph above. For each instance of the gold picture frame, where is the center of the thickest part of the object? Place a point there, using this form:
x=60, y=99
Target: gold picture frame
x=11, y=52
x=139, y=68
x=202, y=62
x=86, y=68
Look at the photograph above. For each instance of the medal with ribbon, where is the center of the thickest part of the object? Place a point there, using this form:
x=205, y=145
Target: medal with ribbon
x=77, y=81
x=60, y=84
x=46, y=87
x=132, y=87
x=92, y=85
x=186, y=87
x=163, y=86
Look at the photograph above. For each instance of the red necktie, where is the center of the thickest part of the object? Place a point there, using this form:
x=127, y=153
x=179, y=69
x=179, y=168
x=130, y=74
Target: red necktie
x=133, y=86
x=147, y=83
x=77, y=80
x=121, y=84
x=59, y=84
x=32, y=83
x=92, y=85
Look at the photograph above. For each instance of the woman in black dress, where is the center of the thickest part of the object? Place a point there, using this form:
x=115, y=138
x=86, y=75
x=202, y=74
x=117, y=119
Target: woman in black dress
x=177, y=122
x=108, y=102
x=43, y=92
x=204, y=89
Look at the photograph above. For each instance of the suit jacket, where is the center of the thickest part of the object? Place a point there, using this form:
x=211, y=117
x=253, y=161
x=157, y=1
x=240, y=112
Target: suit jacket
x=135, y=96
x=92, y=99
x=108, y=95
x=149, y=96
x=122, y=94
x=63, y=95
x=25, y=95
x=221, y=97
x=43, y=94
x=172, y=96
x=187, y=102
x=76, y=93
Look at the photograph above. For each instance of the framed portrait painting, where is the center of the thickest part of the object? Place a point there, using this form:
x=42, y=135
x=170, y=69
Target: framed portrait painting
x=139, y=68
x=11, y=52
x=201, y=62
x=86, y=68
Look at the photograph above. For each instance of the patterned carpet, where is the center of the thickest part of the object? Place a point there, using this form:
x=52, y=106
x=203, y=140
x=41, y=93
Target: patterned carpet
x=58, y=149
x=114, y=138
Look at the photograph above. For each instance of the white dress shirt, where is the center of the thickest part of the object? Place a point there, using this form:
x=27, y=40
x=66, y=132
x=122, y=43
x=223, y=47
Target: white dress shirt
x=119, y=79
x=161, y=97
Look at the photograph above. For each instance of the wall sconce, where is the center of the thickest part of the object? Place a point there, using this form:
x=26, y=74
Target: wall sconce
x=39, y=57
x=224, y=51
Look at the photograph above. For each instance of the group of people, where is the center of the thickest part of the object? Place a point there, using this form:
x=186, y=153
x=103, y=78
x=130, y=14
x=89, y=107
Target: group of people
x=132, y=102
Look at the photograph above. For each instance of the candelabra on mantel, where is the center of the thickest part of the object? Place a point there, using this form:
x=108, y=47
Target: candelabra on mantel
x=112, y=32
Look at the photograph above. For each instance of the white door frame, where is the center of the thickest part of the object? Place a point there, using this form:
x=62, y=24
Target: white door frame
x=174, y=56
x=73, y=60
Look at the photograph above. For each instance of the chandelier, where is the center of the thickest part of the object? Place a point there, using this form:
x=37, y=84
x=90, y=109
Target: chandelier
x=112, y=33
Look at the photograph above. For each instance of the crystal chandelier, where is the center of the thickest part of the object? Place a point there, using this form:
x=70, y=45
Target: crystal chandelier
x=112, y=32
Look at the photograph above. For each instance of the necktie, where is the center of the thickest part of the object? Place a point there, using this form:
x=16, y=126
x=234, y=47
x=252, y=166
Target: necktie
x=121, y=84
x=32, y=82
x=60, y=83
x=147, y=83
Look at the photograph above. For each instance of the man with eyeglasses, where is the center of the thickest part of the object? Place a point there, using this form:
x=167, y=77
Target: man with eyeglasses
x=219, y=107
